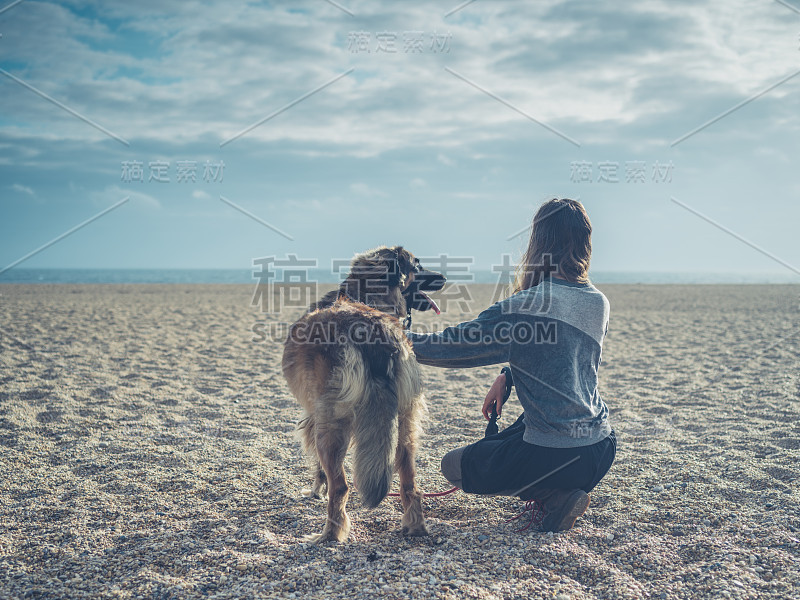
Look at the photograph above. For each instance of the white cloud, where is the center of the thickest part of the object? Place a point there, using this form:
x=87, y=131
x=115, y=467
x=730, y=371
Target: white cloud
x=418, y=183
x=445, y=160
x=363, y=189
x=206, y=71
x=23, y=189
x=115, y=193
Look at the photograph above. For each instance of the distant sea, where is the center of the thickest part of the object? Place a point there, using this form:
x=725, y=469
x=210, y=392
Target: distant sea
x=17, y=275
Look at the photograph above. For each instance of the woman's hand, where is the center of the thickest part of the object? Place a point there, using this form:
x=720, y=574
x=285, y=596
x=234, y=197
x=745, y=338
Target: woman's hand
x=495, y=397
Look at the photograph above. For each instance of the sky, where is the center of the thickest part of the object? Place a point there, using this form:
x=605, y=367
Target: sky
x=209, y=134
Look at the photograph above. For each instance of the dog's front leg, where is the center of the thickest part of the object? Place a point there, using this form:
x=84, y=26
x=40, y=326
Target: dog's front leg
x=320, y=482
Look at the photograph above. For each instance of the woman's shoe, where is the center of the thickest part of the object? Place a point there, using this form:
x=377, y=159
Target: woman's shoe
x=562, y=508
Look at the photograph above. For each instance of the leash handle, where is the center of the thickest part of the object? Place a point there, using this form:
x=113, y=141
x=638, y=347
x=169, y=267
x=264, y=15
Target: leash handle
x=491, y=427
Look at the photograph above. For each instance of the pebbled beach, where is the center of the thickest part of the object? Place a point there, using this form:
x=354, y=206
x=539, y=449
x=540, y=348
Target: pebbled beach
x=147, y=451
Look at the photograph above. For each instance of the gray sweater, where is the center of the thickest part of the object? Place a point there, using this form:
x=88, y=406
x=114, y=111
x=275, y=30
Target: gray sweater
x=552, y=336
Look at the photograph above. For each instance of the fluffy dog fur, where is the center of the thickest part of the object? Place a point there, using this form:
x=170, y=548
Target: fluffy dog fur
x=351, y=368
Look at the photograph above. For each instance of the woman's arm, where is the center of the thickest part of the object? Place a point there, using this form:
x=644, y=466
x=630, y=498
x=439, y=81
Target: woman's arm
x=486, y=340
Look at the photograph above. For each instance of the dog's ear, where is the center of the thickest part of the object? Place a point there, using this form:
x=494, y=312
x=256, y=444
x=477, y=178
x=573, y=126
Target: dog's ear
x=405, y=262
x=394, y=268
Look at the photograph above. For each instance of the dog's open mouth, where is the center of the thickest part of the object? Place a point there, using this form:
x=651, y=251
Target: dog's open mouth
x=424, y=280
x=431, y=302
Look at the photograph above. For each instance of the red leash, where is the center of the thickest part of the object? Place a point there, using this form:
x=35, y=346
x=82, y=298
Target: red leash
x=536, y=508
x=434, y=495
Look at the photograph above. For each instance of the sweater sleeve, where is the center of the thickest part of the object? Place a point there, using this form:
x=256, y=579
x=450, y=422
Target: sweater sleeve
x=483, y=341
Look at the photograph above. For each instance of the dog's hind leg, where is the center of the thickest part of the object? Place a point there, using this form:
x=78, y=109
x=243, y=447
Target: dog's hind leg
x=332, y=441
x=413, y=522
x=308, y=438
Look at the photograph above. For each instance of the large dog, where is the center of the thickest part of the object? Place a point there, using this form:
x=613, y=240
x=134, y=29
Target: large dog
x=351, y=367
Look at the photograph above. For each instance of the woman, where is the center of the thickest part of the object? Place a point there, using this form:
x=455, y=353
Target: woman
x=550, y=331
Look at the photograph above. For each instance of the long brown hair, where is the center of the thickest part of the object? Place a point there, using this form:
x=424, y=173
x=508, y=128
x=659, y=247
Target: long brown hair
x=561, y=230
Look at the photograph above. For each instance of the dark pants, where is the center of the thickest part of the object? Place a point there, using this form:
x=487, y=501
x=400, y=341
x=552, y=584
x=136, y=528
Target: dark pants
x=504, y=464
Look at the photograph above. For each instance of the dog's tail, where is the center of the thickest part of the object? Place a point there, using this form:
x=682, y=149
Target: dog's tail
x=375, y=433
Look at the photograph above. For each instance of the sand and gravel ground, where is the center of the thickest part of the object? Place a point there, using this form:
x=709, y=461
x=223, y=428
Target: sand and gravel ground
x=147, y=451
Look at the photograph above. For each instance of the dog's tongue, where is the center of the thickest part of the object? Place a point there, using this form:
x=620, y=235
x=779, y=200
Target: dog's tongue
x=432, y=303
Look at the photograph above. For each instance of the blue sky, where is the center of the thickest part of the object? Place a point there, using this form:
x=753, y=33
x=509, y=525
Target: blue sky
x=443, y=132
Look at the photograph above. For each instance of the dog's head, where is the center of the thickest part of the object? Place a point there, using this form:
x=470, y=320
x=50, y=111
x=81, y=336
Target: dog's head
x=391, y=279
